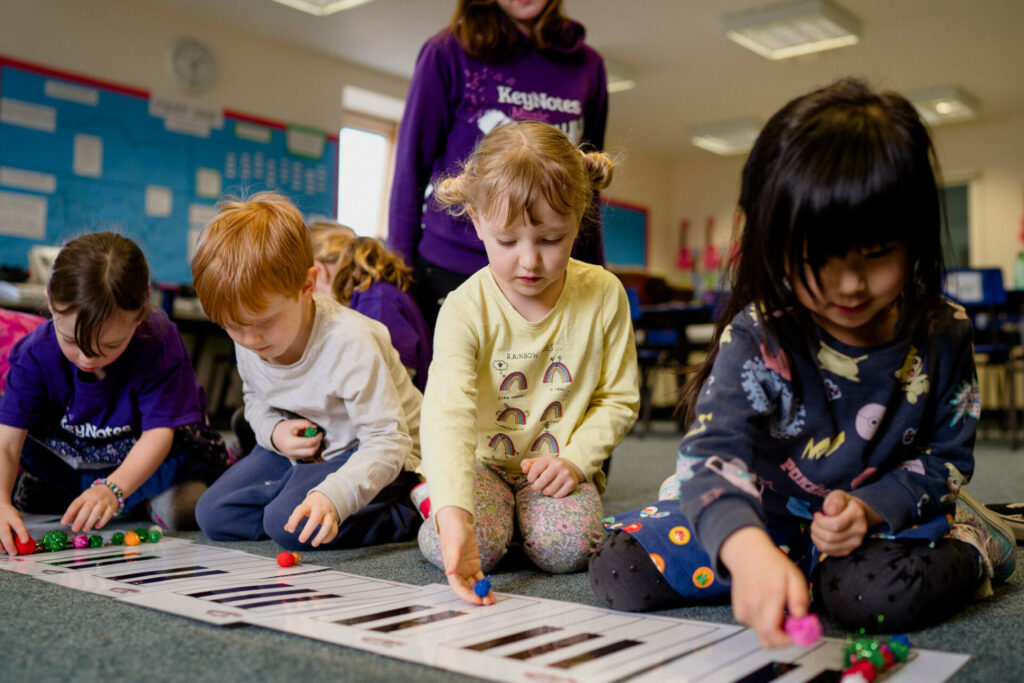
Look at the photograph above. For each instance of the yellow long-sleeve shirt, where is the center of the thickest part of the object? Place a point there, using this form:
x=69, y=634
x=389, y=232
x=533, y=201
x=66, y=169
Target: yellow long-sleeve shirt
x=502, y=389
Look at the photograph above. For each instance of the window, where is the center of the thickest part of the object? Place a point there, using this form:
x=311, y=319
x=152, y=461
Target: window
x=365, y=162
x=955, y=206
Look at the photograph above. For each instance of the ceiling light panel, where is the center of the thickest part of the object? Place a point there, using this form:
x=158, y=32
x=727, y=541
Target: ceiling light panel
x=321, y=8
x=726, y=138
x=783, y=31
x=944, y=104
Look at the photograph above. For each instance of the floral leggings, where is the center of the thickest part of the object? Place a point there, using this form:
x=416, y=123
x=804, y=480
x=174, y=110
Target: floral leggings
x=559, y=534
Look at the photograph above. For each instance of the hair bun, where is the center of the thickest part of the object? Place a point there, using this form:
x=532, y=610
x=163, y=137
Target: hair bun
x=600, y=168
x=451, y=191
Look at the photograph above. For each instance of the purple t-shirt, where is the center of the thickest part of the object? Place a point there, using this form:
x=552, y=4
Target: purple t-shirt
x=150, y=385
x=397, y=310
x=453, y=101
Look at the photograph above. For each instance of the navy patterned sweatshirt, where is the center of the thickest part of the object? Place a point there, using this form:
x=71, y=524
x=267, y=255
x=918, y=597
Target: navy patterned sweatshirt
x=780, y=425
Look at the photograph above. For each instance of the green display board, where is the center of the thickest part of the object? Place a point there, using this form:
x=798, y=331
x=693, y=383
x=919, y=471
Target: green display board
x=625, y=234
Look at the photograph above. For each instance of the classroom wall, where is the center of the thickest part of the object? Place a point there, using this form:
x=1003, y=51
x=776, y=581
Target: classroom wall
x=989, y=154
x=126, y=42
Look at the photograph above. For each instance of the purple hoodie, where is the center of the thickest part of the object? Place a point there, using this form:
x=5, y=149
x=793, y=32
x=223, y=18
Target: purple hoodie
x=453, y=101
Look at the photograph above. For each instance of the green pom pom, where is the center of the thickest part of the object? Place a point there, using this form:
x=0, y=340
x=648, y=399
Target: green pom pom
x=95, y=541
x=55, y=540
x=154, y=535
x=117, y=538
x=899, y=649
x=143, y=534
x=310, y=432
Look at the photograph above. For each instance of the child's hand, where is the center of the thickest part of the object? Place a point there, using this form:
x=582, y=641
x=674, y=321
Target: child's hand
x=765, y=584
x=321, y=512
x=93, y=508
x=460, y=553
x=288, y=439
x=840, y=527
x=11, y=525
x=552, y=476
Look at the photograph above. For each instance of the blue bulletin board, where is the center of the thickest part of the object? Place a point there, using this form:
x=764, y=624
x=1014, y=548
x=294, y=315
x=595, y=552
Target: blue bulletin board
x=624, y=227
x=79, y=155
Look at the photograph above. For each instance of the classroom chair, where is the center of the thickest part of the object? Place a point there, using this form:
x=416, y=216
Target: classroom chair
x=997, y=336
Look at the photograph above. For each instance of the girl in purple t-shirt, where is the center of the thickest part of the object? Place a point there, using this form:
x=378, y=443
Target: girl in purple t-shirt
x=102, y=410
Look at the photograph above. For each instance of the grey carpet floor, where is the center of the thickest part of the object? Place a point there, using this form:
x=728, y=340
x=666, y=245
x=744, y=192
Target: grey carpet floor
x=51, y=633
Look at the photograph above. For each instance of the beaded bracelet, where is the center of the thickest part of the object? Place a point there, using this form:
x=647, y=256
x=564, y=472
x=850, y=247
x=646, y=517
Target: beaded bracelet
x=117, y=492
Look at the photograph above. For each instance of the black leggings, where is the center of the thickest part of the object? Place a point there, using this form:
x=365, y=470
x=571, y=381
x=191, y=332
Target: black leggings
x=883, y=586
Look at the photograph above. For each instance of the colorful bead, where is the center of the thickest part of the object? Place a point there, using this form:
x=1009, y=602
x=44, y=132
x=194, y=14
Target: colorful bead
x=483, y=586
x=25, y=548
x=81, y=541
x=868, y=658
x=55, y=540
x=899, y=649
x=286, y=559
x=132, y=538
x=95, y=541
x=860, y=671
x=803, y=631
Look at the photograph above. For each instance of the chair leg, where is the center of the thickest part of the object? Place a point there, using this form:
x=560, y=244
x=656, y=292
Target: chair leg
x=1011, y=401
x=646, y=396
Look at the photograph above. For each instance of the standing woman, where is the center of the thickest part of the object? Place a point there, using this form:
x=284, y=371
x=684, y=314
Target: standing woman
x=497, y=60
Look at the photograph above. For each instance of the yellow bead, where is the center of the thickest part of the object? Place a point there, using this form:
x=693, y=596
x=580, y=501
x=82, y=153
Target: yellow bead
x=131, y=538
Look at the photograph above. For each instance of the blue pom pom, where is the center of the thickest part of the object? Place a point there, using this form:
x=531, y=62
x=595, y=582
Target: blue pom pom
x=483, y=586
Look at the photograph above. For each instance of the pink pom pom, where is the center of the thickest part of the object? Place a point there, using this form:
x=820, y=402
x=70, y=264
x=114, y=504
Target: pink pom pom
x=804, y=631
x=81, y=541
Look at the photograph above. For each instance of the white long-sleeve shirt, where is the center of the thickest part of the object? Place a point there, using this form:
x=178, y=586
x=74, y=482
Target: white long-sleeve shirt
x=351, y=383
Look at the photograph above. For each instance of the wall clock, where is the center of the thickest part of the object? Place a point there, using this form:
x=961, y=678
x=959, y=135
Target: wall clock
x=191, y=65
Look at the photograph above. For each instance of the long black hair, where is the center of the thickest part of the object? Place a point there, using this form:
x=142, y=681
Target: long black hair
x=837, y=169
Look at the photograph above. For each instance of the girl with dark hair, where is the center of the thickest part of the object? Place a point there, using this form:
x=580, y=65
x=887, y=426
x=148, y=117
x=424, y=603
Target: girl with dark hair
x=835, y=416
x=102, y=411
x=498, y=60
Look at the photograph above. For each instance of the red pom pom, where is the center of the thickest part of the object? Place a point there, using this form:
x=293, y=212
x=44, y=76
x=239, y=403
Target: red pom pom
x=25, y=548
x=286, y=559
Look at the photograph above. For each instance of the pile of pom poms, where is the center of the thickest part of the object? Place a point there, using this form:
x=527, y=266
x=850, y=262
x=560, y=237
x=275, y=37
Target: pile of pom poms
x=868, y=658
x=56, y=540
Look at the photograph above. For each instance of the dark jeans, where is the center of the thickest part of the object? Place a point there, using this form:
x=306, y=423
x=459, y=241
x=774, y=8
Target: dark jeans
x=255, y=497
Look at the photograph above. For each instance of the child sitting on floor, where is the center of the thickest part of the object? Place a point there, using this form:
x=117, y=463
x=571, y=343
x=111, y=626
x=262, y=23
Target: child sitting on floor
x=834, y=418
x=335, y=415
x=534, y=377
x=101, y=409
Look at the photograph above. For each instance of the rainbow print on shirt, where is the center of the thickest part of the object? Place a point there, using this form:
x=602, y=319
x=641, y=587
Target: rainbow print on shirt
x=502, y=443
x=552, y=413
x=512, y=415
x=545, y=442
x=557, y=370
x=515, y=381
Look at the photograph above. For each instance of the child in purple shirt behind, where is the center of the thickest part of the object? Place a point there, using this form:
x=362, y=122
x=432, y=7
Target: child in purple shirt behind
x=102, y=411
x=361, y=273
